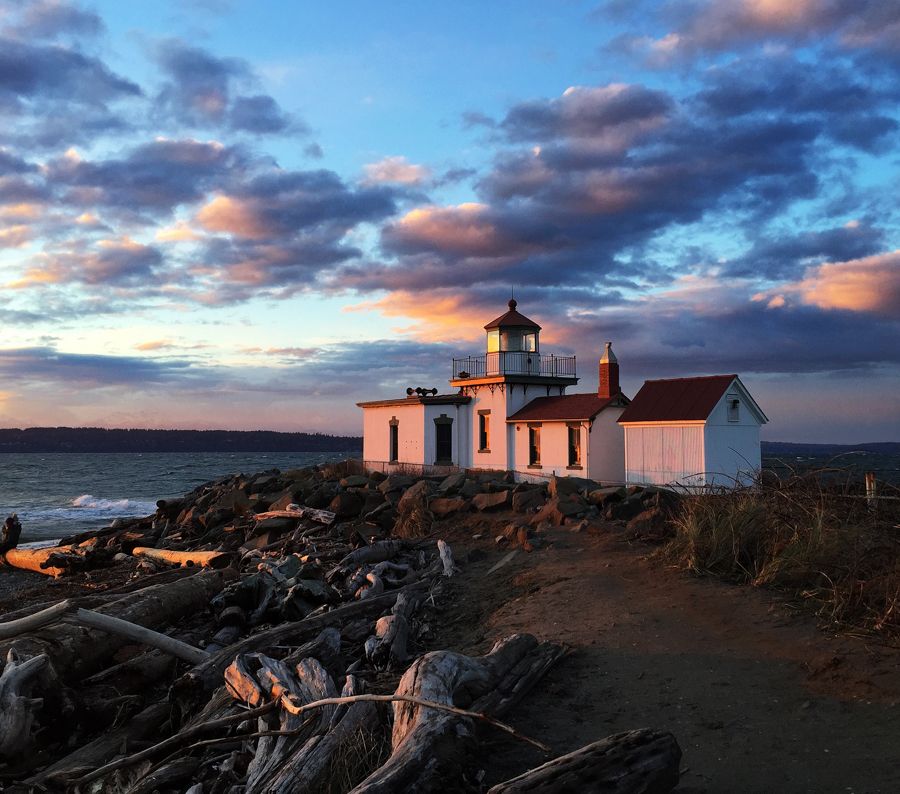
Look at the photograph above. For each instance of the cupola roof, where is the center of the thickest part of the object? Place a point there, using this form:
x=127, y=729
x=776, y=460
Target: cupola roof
x=512, y=319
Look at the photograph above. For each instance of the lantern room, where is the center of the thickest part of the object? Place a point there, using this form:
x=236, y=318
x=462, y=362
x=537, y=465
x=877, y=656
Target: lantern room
x=513, y=333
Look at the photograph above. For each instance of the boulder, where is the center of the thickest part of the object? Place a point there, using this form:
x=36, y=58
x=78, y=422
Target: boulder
x=347, y=504
x=529, y=500
x=321, y=497
x=606, y=496
x=420, y=491
x=395, y=482
x=624, y=511
x=560, y=487
x=355, y=481
x=445, y=505
x=372, y=501
x=556, y=511
x=451, y=484
x=469, y=489
x=275, y=525
x=498, y=500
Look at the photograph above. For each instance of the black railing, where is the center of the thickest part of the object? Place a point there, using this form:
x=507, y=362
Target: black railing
x=544, y=365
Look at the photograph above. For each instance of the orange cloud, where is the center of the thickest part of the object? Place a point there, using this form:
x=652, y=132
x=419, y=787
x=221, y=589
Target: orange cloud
x=180, y=232
x=440, y=316
x=15, y=236
x=871, y=284
x=231, y=216
x=464, y=229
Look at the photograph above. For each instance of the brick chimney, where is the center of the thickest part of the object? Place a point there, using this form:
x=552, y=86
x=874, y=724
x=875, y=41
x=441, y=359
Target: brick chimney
x=609, y=373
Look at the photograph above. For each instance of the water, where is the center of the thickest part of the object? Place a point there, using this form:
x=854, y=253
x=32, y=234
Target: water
x=59, y=494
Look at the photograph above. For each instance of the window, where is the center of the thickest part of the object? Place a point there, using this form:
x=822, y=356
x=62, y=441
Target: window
x=530, y=343
x=534, y=445
x=493, y=340
x=443, y=440
x=734, y=408
x=574, y=445
x=394, y=440
x=484, y=431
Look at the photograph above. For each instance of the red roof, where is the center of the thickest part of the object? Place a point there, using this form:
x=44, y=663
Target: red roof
x=512, y=319
x=565, y=408
x=677, y=399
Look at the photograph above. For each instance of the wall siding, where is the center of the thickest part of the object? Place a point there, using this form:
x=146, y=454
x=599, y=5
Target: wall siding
x=665, y=454
x=606, y=456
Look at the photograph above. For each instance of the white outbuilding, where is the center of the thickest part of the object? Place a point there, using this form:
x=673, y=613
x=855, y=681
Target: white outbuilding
x=692, y=432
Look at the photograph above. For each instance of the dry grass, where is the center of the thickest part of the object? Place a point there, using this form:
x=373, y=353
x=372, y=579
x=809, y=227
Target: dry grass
x=812, y=536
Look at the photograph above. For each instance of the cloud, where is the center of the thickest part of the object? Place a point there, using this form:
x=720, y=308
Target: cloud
x=395, y=170
x=870, y=284
x=109, y=263
x=49, y=365
x=204, y=90
x=52, y=18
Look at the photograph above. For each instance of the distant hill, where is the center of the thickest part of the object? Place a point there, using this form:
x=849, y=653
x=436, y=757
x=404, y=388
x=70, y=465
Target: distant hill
x=789, y=448
x=98, y=439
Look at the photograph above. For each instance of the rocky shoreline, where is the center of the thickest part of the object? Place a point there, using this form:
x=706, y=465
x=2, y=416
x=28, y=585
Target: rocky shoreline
x=216, y=622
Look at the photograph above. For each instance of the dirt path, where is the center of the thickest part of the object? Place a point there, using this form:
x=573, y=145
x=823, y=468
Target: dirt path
x=759, y=699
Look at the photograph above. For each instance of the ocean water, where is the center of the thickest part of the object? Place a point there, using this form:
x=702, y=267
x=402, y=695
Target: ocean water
x=64, y=493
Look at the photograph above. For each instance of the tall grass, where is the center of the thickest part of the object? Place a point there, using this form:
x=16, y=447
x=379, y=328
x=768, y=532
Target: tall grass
x=814, y=537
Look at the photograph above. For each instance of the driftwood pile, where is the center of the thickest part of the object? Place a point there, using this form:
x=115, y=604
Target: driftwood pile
x=271, y=635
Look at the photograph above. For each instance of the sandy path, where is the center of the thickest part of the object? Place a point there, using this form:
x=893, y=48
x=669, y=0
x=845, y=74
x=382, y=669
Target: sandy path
x=759, y=699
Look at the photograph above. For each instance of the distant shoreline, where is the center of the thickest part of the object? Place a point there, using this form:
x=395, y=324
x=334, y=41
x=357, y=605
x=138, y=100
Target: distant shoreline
x=96, y=439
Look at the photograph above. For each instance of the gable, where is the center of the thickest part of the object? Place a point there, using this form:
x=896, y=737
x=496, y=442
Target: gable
x=677, y=399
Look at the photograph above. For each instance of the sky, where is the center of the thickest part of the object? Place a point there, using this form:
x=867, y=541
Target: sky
x=252, y=215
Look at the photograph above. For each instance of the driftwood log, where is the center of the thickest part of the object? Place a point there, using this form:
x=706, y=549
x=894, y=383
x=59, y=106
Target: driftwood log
x=36, y=559
x=194, y=685
x=635, y=762
x=430, y=748
x=185, y=559
x=388, y=648
x=77, y=651
x=37, y=620
x=17, y=707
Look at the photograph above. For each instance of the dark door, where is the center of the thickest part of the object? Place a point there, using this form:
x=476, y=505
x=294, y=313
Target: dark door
x=443, y=441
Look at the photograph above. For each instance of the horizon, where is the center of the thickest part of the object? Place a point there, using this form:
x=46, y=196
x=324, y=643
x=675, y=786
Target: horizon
x=342, y=436
x=268, y=212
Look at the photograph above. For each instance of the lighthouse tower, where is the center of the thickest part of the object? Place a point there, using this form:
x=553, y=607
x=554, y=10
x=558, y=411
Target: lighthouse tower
x=510, y=373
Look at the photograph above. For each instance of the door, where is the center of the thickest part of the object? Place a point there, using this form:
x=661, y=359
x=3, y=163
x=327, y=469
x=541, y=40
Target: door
x=443, y=430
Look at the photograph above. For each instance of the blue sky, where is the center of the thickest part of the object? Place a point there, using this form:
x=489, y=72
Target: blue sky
x=253, y=215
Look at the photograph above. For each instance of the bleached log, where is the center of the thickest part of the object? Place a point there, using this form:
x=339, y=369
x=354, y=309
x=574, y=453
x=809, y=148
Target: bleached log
x=34, y=559
x=376, y=552
x=185, y=559
x=374, y=587
x=207, y=675
x=446, y=558
x=166, y=776
x=13, y=628
x=78, y=652
x=309, y=769
x=308, y=682
x=310, y=513
x=635, y=762
x=17, y=707
x=131, y=631
x=429, y=747
x=388, y=648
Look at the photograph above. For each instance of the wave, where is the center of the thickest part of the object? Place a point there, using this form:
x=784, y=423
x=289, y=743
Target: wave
x=95, y=504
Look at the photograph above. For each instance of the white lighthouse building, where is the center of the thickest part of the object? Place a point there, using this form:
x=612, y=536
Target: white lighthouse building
x=510, y=411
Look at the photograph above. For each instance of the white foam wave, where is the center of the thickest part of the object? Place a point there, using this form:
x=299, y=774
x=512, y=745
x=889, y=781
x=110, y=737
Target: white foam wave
x=95, y=504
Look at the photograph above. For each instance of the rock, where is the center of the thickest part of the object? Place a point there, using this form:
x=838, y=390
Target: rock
x=450, y=485
x=469, y=489
x=395, y=482
x=288, y=497
x=606, y=496
x=415, y=493
x=568, y=486
x=372, y=501
x=275, y=525
x=624, y=511
x=529, y=500
x=377, y=476
x=321, y=497
x=651, y=524
x=517, y=532
x=355, y=481
x=499, y=500
x=443, y=506
x=557, y=511
x=346, y=504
